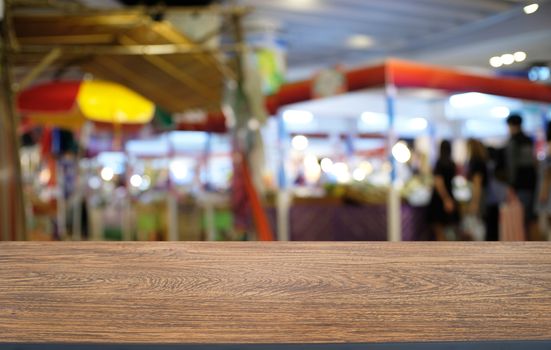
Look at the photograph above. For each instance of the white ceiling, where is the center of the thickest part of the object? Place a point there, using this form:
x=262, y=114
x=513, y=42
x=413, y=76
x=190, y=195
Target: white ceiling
x=451, y=32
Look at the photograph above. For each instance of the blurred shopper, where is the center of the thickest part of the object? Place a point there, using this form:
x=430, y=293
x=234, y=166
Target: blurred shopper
x=544, y=197
x=443, y=209
x=520, y=165
x=477, y=174
x=496, y=192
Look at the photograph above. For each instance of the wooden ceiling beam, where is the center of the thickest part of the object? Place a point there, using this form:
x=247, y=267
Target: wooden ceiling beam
x=122, y=20
x=166, y=30
x=35, y=72
x=22, y=5
x=175, y=72
x=112, y=68
x=79, y=39
x=134, y=49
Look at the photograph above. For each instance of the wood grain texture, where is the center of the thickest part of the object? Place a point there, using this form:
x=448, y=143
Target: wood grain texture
x=274, y=292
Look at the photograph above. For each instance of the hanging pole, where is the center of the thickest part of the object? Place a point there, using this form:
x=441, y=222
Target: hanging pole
x=61, y=203
x=283, y=197
x=172, y=210
x=76, y=233
x=13, y=182
x=79, y=201
x=210, y=215
x=5, y=220
x=394, y=229
x=243, y=136
x=172, y=205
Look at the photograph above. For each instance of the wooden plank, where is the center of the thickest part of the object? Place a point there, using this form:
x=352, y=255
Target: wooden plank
x=274, y=292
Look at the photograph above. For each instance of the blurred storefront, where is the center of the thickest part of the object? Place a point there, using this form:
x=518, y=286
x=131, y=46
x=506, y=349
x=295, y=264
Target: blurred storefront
x=132, y=128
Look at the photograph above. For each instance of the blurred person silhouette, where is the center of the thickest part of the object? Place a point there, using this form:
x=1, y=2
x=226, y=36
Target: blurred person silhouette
x=443, y=214
x=496, y=192
x=477, y=174
x=544, y=198
x=520, y=165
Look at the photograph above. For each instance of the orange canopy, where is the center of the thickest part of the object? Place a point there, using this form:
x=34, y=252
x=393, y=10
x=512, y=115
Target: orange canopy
x=407, y=74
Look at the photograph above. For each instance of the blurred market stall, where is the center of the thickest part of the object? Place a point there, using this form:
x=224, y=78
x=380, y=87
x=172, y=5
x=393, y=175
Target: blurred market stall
x=352, y=142
x=186, y=83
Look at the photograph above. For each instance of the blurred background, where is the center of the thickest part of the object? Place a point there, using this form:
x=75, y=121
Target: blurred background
x=317, y=120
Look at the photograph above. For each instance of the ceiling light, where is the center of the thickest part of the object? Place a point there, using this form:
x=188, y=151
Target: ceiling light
x=500, y=112
x=401, y=152
x=418, y=124
x=293, y=116
x=469, y=99
x=300, y=4
x=545, y=73
x=367, y=167
x=179, y=169
x=539, y=74
x=374, y=122
x=507, y=59
x=136, y=180
x=359, y=41
x=107, y=174
x=312, y=169
x=371, y=117
x=146, y=182
x=326, y=165
x=311, y=161
x=519, y=56
x=529, y=9
x=299, y=142
x=359, y=174
x=340, y=170
x=496, y=62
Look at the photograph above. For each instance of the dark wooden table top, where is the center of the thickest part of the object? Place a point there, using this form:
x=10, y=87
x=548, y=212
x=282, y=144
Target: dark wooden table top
x=274, y=292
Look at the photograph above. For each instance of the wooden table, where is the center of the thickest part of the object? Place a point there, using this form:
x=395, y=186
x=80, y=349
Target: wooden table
x=274, y=292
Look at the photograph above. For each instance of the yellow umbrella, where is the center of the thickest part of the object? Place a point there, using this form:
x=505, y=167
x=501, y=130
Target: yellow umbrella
x=107, y=102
